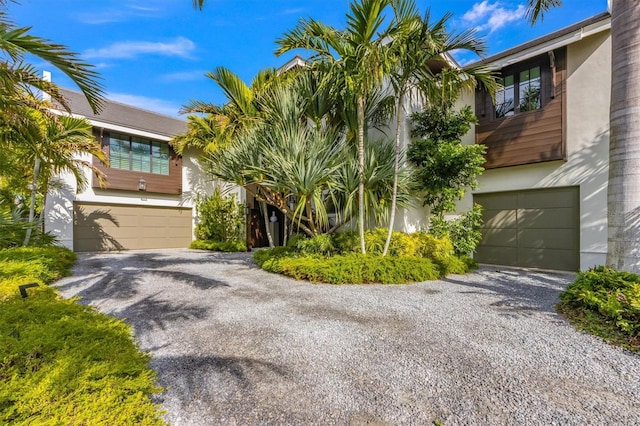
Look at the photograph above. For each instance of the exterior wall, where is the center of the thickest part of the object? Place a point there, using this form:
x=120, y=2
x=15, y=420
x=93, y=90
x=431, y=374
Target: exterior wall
x=587, y=135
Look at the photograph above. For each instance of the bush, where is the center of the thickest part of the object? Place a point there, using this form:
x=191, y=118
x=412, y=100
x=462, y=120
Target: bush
x=606, y=302
x=319, y=244
x=220, y=218
x=13, y=229
x=350, y=269
x=61, y=362
x=226, y=246
x=465, y=232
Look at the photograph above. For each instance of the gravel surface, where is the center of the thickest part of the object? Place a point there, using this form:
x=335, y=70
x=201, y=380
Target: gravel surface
x=235, y=345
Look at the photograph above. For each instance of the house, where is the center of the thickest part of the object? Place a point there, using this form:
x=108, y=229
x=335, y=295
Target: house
x=148, y=200
x=544, y=191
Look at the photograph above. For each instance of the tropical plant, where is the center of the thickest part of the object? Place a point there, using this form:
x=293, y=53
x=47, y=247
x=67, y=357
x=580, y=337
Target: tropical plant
x=420, y=50
x=357, y=60
x=50, y=144
x=220, y=218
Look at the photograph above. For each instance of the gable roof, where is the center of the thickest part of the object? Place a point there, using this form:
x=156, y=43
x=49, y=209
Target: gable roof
x=554, y=40
x=122, y=115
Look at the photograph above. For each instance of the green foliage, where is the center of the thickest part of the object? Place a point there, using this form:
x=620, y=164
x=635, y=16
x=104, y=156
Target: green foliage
x=221, y=218
x=320, y=244
x=444, y=166
x=464, y=232
x=25, y=265
x=352, y=268
x=13, y=228
x=335, y=259
x=227, y=246
x=606, y=301
x=61, y=362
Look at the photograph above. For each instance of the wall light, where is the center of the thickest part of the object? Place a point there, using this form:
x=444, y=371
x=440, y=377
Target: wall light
x=142, y=185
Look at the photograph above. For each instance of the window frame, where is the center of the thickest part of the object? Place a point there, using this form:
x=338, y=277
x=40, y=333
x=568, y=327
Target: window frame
x=149, y=143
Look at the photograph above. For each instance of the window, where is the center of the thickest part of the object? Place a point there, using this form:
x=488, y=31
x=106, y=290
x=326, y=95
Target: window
x=527, y=98
x=138, y=155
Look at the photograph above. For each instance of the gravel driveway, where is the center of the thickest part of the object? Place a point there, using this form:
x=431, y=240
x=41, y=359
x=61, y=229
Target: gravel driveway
x=235, y=345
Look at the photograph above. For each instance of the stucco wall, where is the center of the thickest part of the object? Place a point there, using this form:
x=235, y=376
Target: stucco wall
x=587, y=135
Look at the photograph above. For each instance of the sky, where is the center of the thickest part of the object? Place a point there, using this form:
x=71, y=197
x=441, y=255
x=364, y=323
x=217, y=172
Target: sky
x=154, y=54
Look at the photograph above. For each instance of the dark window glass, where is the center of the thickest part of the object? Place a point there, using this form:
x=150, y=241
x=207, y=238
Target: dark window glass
x=138, y=154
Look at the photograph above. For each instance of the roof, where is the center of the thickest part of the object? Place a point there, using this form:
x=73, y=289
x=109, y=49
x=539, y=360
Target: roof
x=554, y=40
x=123, y=115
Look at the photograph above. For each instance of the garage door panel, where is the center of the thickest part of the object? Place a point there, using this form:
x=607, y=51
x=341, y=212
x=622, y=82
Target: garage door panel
x=500, y=218
x=562, y=218
x=550, y=258
x=498, y=255
x=549, y=238
x=500, y=237
x=118, y=227
x=546, y=228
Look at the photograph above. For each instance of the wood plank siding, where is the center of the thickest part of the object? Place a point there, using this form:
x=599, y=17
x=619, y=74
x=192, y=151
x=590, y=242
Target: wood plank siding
x=128, y=180
x=532, y=136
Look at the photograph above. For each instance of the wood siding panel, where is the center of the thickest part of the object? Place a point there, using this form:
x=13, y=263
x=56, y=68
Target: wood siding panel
x=128, y=180
x=529, y=137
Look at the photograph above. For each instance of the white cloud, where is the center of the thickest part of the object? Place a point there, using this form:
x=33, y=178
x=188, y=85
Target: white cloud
x=184, y=76
x=492, y=16
x=123, y=13
x=161, y=106
x=181, y=47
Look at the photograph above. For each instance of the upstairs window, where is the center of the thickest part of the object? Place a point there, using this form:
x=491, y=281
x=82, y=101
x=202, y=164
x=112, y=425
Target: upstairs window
x=138, y=154
x=510, y=101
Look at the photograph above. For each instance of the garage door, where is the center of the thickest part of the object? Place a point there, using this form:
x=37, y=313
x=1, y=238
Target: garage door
x=536, y=228
x=99, y=227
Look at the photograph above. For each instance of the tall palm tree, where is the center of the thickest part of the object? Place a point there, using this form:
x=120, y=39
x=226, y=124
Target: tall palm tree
x=623, y=189
x=420, y=52
x=50, y=143
x=357, y=59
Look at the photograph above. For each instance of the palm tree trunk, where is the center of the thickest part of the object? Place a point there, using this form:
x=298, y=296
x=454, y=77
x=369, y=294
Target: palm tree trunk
x=265, y=214
x=361, y=172
x=396, y=168
x=623, y=196
x=32, y=203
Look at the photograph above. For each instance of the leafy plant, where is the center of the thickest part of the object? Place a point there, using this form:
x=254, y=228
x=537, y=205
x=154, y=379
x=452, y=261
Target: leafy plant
x=227, y=246
x=444, y=166
x=465, y=231
x=606, y=302
x=220, y=218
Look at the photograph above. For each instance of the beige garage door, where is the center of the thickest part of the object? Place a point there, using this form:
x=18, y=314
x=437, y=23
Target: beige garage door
x=536, y=228
x=100, y=227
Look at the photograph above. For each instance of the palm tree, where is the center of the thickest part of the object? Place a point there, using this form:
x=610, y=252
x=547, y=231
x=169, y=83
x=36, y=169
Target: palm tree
x=227, y=122
x=50, y=143
x=420, y=50
x=623, y=190
x=16, y=75
x=357, y=59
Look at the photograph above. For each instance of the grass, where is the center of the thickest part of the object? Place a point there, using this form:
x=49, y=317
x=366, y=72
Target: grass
x=62, y=362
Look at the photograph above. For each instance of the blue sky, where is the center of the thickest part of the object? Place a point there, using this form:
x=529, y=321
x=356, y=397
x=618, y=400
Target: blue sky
x=154, y=53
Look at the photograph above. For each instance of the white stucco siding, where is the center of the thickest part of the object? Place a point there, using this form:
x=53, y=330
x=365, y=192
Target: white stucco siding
x=587, y=137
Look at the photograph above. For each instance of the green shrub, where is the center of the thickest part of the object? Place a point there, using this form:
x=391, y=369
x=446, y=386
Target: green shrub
x=347, y=242
x=227, y=246
x=348, y=269
x=13, y=229
x=61, y=362
x=319, y=244
x=25, y=265
x=613, y=296
x=465, y=232
x=220, y=218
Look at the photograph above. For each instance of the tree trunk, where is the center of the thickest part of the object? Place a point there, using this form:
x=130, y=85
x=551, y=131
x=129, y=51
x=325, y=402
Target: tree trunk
x=396, y=168
x=361, y=172
x=623, y=196
x=265, y=214
x=32, y=203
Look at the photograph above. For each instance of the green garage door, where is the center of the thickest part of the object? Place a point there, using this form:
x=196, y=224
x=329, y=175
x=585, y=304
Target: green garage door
x=536, y=228
x=100, y=227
